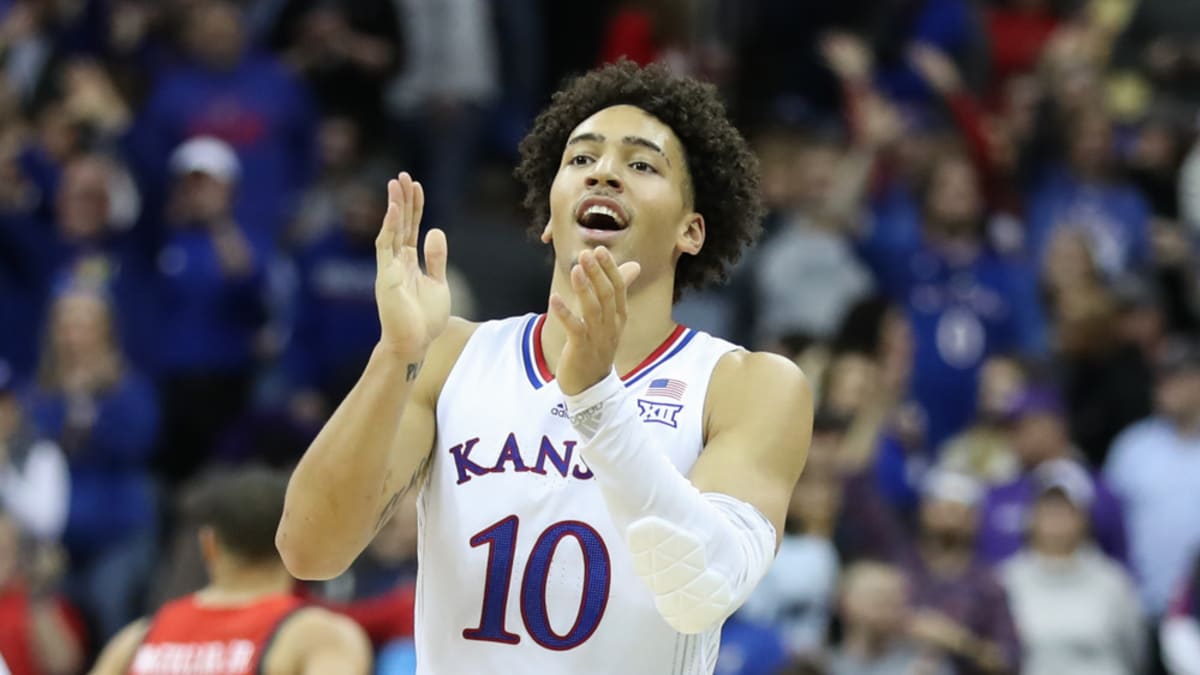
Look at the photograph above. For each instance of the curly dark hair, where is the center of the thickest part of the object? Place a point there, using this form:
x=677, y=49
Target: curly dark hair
x=723, y=171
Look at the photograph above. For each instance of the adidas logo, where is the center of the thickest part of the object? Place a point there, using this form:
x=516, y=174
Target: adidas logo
x=560, y=410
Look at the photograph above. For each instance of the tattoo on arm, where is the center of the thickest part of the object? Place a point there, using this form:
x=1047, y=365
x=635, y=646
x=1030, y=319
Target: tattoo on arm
x=410, y=373
x=417, y=478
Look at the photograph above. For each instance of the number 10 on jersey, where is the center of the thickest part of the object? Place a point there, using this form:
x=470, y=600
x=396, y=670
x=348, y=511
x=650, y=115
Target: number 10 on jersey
x=501, y=540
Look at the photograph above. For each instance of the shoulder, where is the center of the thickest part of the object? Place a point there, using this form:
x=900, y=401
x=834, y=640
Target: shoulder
x=748, y=385
x=314, y=622
x=766, y=373
x=316, y=628
x=1128, y=442
x=1014, y=570
x=117, y=655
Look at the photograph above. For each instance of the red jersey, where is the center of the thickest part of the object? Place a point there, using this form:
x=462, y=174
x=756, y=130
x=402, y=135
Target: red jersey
x=16, y=629
x=189, y=638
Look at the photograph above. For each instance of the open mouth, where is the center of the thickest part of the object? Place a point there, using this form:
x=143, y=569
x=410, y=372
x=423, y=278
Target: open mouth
x=605, y=215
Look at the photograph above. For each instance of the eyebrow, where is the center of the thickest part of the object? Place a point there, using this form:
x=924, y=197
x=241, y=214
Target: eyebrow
x=628, y=140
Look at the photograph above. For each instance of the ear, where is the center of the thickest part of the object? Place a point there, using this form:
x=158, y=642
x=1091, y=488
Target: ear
x=208, y=544
x=691, y=234
x=547, y=235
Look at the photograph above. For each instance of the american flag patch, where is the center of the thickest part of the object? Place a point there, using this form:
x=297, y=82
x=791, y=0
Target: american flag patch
x=667, y=387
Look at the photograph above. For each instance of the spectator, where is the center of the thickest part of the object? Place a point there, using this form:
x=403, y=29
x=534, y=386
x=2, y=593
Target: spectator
x=40, y=634
x=875, y=604
x=1154, y=467
x=1076, y=610
x=22, y=270
x=95, y=246
x=964, y=300
x=340, y=159
x=1040, y=442
x=247, y=100
x=1104, y=372
x=796, y=597
x=1088, y=194
x=346, y=50
x=210, y=280
x=806, y=273
x=960, y=607
x=439, y=99
x=1017, y=32
x=105, y=416
x=645, y=31
x=34, y=486
x=983, y=451
x=864, y=525
x=337, y=323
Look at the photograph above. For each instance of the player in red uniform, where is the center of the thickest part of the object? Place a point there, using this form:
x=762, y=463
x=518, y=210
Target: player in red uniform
x=246, y=620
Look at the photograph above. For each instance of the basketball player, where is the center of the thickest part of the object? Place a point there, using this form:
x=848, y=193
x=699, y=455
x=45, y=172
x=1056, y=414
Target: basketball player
x=599, y=487
x=245, y=620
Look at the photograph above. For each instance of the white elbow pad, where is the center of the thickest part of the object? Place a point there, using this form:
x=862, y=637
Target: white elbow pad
x=701, y=572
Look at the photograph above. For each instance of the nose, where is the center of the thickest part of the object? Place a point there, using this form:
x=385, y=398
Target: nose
x=603, y=173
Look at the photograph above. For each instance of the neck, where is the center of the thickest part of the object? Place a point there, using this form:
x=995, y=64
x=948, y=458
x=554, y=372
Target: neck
x=648, y=321
x=1187, y=425
x=866, y=643
x=1056, y=552
x=955, y=244
x=244, y=583
x=945, y=560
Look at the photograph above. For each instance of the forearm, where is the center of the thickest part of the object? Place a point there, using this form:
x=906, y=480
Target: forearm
x=346, y=477
x=729, y=545
x=55, y=647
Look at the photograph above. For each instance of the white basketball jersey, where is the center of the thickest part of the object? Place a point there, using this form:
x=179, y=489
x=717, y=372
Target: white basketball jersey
x=521, y=567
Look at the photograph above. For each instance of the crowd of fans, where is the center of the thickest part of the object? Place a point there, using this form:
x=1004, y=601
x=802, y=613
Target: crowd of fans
x=980, y=248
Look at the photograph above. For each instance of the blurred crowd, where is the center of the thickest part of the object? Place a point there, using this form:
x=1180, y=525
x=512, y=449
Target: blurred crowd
x=981, y=249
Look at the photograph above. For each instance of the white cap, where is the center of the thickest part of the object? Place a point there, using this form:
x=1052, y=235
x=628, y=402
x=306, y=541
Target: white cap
x=952, y=486
x=207, y=155
x=1068, y=478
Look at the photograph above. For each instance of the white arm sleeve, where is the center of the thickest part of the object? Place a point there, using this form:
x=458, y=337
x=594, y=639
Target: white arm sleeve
x=39, y=494
x=1180, y=638
x=700, y=554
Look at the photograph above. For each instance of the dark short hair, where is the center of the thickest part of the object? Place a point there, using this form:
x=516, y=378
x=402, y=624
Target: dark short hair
x=243, y=508
x=724, y=178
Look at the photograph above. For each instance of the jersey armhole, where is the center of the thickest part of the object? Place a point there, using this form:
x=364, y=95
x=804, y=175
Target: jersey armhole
x=270, y=641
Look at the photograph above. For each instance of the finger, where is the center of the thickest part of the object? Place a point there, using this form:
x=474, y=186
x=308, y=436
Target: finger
x=629, y=272
x=602, y=285
x=405, y=203
x=589, y=305
x=572, y=323
x=387, y=234
x=609, y=264
x=394, y=194
x=417, y=212
x=436, y=254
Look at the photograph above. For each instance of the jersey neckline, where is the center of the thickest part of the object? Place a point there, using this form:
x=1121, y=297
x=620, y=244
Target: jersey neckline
x=539, y=373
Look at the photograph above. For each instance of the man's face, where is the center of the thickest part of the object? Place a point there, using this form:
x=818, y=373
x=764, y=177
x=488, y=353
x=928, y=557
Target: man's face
x=82, y=200
x=1178, y=393
x=623, y=183
x=949, y=521
x=215, y=36
x=954, y=198
x=876, y=600
x=1039, y=437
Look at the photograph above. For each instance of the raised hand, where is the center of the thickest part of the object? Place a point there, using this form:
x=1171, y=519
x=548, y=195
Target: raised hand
x=414, y=306
x=593, y=334
x=847, y=56
x=935, y=67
